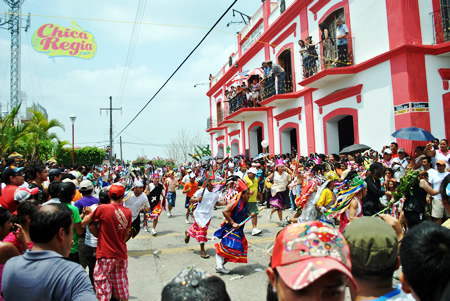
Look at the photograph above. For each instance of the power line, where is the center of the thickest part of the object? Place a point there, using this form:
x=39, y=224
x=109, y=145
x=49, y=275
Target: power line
x=178, y=68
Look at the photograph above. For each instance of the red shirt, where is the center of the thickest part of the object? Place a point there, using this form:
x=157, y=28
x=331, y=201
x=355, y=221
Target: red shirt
x=8, y=198
x=115, y=221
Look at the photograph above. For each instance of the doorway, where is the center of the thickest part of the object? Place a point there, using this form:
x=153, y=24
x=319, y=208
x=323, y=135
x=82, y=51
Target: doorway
x=284, y=60
x=255, y=139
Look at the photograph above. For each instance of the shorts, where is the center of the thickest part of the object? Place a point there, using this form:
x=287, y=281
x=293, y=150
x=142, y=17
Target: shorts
x=171, y=198
x=255, y=94
x=136, y=226
x=186, y=203
x=261, y=186
x=437, y=208
x=252, y=207
x=110, y=278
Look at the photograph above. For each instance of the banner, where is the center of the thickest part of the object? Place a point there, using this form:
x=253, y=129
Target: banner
x=57, y=41
x=401, y=109
x=419, y=107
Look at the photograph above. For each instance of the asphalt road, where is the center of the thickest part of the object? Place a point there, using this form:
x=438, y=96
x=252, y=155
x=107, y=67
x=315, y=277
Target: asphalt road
x=155, y=260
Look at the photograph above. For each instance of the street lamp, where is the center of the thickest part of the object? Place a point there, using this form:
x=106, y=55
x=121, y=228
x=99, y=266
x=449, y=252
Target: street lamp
x=72, y=118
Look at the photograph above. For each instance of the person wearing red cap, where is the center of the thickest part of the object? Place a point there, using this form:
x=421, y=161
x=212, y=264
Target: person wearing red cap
x=206, y=199
x=114, y=221
x=233, y=247
x=310, y=261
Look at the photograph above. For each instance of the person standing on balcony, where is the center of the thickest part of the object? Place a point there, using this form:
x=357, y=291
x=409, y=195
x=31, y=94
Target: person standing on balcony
x=312, y=55
x=269, y=89
x=341, y=37
x=255, y=92
x=305, y=61
x=326, y=44
x=280, y=74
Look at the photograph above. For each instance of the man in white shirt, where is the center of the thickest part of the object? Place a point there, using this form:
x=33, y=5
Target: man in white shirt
x=136, y=202
x=437, y=211
x=399, y=164
x=206, y=200
x=242, y=172
x=186, y=177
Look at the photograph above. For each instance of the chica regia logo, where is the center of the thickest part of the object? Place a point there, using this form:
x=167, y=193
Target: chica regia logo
x=57, y=41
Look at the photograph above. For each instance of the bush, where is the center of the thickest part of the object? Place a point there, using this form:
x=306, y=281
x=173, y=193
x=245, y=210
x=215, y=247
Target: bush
x=83, y=156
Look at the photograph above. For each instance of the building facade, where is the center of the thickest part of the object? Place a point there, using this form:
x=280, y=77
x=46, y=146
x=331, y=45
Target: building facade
x=396, y=75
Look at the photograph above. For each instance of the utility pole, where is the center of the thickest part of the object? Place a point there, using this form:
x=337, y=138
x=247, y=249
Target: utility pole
x=14, y=24
x=121, y=157
x=110, y=109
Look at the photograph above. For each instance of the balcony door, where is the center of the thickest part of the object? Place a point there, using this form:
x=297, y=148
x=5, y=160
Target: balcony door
x=284, y=60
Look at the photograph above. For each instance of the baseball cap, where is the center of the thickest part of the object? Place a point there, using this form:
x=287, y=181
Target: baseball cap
x=189, y=170
x=74, y=181
x=192, y=175
x=253, y=170
x=373, y=243
x=22, y=194
x=441, y=162
x=10, y=171
x=171, y=172
x=387, y=151
x=86, y=185
x=53, y=173
x=401, y=150
x=303, y=252
x=116, y=190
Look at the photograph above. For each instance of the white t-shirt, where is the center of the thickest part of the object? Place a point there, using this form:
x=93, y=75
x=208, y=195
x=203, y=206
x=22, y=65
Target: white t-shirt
x=436, y=181
x=185, y=179
x=90, y=239
x=203, y=212
x=440, y=156
x=136, y=204
x=399, y=169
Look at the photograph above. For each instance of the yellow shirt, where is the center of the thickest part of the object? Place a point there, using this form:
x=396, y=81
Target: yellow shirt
x=253, y=186
x=325, y=198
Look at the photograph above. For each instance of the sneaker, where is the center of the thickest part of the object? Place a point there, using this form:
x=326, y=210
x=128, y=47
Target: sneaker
x=146, y=229
x=269, y=215
x=222, y=270
x=283, y=224
x=219, y=261
x=256, y=231
x=154, y=232
x=187, y=221
x=169, y=214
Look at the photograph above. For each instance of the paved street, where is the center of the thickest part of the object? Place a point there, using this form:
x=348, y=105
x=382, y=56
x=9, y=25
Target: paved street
x=148, y=272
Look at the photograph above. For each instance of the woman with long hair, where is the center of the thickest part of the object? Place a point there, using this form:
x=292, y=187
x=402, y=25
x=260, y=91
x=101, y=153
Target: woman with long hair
x=281, y=178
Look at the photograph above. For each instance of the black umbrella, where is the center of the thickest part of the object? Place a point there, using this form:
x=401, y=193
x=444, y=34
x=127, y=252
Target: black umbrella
x=355, y=148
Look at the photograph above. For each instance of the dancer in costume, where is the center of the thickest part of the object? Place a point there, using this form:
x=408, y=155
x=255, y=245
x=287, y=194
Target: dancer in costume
x=233, y=247
x=154, y=191
x=350, y=200
x=189, y=188
x=206, y=199
x=327, y=199
x=281, y=178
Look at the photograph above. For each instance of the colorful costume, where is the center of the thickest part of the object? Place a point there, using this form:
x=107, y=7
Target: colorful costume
x=233, y=248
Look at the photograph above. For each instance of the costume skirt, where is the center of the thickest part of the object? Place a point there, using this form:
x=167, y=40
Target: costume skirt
x=277, y=201
x=232, y=248
x=199, y=233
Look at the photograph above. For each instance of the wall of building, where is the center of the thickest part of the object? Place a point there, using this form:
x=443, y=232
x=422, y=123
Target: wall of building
x=426, y=21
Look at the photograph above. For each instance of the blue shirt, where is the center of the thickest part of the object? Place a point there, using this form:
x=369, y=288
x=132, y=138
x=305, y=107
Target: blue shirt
x=340, y=31
x=85, y=202
x=45, y=275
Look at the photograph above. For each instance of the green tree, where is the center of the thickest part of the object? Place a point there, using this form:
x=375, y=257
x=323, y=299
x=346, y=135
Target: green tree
x=10, y=133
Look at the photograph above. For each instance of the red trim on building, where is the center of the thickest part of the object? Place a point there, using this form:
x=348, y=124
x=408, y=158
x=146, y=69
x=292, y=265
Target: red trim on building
x=251, y=31
x=309, y=116
x=234, y=133
x=292, y=95
x=254, y=124
x=219, y=128
x=231, y=144
x=304, y=27
x=291, y=29
x=220, y=138
x=341, y=111
x=445, y=75
x=212, y=143
x=278, y=25
x=403, y=20
x=289, y=113
x=266, y=14
x=210, y=108
x=290, y=125
x=446, y=105
x=218, y=93
x=243, y=136
x=218, y=147
x=259, y=109
x=318, y=6
x=338, y=96
x=424, y=49
x=291, y=47
x=226, y=138
x=271, y=132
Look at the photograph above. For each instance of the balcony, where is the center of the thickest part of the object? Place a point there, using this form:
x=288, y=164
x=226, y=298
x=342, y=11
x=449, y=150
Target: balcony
x=323, y=66
x=441, y=24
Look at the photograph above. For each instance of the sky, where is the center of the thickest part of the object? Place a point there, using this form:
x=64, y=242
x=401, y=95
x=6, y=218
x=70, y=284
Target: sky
x=66, y=85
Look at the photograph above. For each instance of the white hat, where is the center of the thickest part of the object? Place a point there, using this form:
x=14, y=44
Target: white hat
x=192, y=175
x=138, y=184
x=230, y=165
x=387, y=151
x=253, y=170
x=86, y=185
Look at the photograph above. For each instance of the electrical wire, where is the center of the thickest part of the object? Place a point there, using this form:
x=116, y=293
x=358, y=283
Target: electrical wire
x=178, y=68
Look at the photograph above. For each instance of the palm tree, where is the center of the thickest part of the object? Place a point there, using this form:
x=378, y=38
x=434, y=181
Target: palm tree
x=11, y=133
x=38, y=129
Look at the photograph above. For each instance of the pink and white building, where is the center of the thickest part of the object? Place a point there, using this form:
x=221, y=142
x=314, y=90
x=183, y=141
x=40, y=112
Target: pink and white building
x=398, y=77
